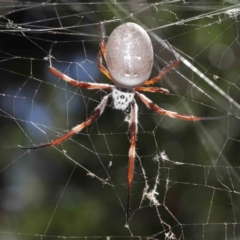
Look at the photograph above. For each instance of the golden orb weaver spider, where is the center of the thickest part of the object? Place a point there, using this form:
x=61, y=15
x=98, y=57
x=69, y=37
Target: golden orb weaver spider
x=129, y=59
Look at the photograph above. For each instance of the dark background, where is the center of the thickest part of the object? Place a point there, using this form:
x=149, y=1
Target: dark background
x=48, y=193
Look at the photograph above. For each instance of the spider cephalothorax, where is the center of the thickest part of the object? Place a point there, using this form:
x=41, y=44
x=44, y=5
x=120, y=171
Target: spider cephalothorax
x=129, y=58
x=122, y=98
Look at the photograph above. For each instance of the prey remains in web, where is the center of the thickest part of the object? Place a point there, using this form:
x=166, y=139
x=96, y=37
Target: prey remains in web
x=129, y=57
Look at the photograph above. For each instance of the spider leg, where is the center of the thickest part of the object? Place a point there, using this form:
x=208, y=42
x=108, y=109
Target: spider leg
x=75, y=83
x=101, y=67
x=162, y=111
x=152, y=89
x=162, y=72
x=102, y=41
x=133, y=123
x=102, y=51
x=96, y=113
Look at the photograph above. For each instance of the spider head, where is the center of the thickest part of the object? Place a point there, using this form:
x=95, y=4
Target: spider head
x=122, y=98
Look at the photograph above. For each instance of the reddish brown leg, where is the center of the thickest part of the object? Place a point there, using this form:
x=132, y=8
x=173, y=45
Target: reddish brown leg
x=102, y=51
x=152, y=89
x=77, y=83
x=162, y=73
x=102, y=41
x=133, y=123
x=101, y=67
x=96, y=113
x=162, y=111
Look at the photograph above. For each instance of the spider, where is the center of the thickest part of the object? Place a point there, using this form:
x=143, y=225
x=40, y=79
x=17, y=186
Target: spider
x=129, y=56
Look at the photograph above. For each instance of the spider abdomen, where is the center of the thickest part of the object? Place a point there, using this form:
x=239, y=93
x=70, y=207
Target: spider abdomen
x=129, y=55
x=122, y=98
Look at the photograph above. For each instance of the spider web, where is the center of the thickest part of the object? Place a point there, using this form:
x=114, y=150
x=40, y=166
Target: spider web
x=187, y=174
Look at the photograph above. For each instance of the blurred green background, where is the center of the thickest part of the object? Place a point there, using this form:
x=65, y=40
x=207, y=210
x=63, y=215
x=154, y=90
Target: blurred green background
x=49, y=194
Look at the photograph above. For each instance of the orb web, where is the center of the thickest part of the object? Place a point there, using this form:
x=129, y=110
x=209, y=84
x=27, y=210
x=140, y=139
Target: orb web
x=186, y=182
